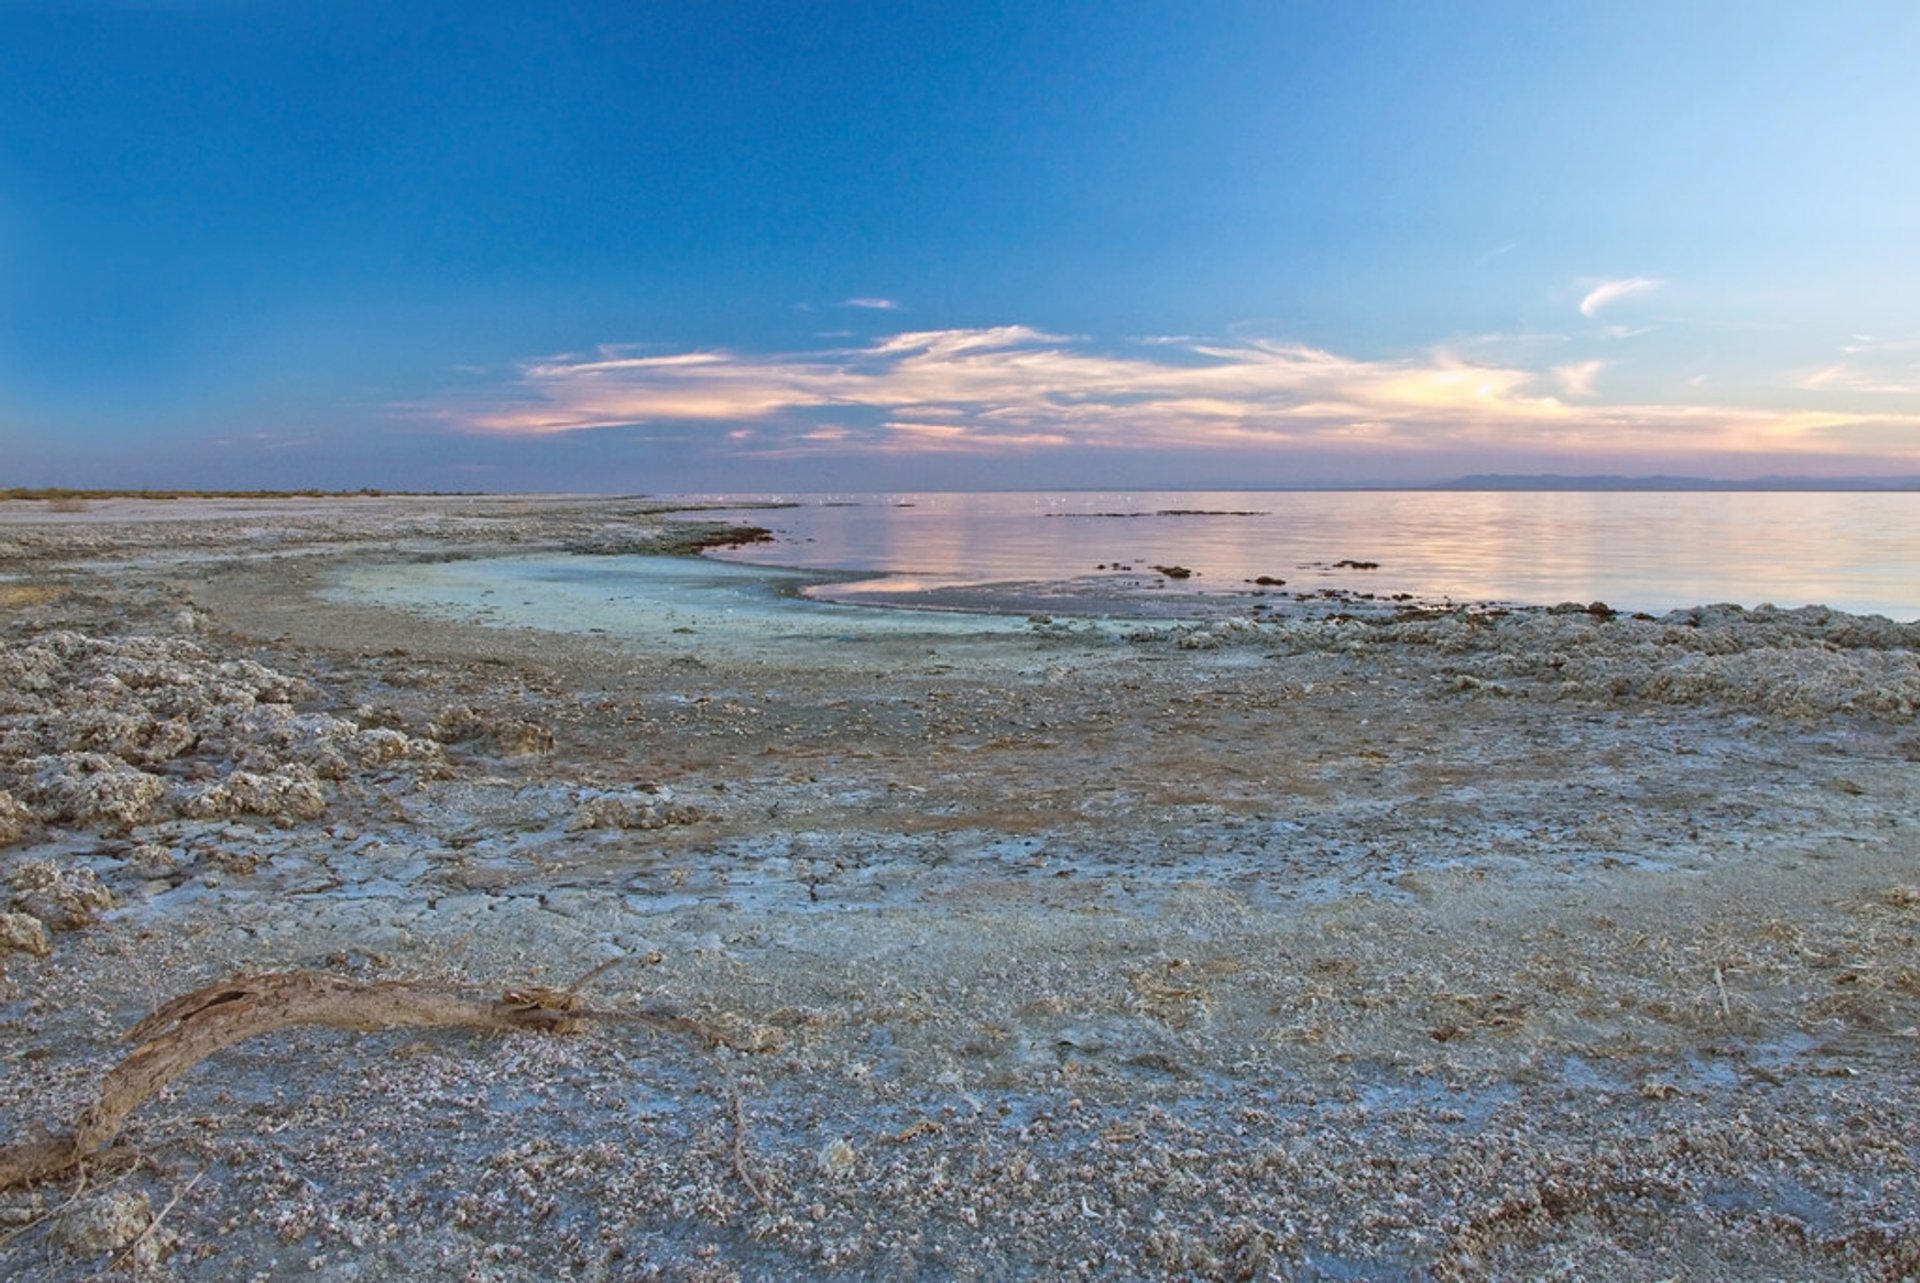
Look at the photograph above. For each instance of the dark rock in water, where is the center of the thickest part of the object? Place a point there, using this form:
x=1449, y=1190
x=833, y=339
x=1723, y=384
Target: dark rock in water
x=1268, y=581
x=683, y=539
x=1600, y=610
x=1175, y=572
x=736, y=536
x=1350, y=564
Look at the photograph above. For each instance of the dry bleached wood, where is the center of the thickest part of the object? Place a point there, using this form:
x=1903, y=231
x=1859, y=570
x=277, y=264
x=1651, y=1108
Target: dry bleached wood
x=192, y=1027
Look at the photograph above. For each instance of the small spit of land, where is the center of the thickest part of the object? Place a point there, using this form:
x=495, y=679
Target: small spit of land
x=1425, y=944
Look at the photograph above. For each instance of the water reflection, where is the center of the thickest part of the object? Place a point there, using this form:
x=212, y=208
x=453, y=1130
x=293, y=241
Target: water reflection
x=1636, y=551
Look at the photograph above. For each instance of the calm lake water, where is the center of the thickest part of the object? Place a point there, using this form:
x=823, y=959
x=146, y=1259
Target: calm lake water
x=1635, y=551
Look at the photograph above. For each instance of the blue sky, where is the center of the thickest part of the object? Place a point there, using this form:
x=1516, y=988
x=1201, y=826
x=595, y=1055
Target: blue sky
x=698, y=246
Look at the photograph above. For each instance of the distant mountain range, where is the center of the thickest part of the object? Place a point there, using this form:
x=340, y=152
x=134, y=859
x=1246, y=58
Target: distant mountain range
x=1555, y=481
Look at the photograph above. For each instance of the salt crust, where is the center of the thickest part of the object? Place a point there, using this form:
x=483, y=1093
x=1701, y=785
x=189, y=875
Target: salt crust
x=1802, y=663
x=107, y=734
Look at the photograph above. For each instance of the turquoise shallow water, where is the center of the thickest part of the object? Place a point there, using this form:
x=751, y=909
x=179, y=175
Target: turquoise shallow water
x=1633, y=550
x=695, y=604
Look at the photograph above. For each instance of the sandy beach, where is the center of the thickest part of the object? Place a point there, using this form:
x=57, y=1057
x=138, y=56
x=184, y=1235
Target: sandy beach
x=1435, y=944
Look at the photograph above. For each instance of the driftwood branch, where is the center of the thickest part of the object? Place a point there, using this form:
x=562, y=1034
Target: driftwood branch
x=187, y=1030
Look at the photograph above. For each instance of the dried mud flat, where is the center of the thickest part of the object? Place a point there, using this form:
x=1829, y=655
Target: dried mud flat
x=1545, y=945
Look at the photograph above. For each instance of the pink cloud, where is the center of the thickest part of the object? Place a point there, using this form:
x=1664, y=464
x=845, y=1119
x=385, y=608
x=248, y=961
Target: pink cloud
x=1016, y=388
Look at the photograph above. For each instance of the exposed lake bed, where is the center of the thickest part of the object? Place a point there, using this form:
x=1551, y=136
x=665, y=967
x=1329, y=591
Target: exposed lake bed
x=1431, y=943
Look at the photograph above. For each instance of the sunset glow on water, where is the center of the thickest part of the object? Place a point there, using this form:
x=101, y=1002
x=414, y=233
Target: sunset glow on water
x=1635, y=551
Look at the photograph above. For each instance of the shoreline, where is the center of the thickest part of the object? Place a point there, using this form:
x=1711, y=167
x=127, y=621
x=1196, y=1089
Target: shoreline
x=1429, y=948
x=1651, y=553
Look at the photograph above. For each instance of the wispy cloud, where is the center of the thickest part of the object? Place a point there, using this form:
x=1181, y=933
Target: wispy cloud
x=1871, y=343
x=1613, y=291
x=1015, y=388
x=1849, y=376
x=1883, y=366
x=1577, y=379
x=873, y=304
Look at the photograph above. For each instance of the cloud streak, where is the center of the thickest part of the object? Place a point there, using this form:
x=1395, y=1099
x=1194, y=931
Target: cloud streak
x=1845, y=376
x=1613, y=291
x=1016, y=389
x=1877, y=366
x=1577, y=378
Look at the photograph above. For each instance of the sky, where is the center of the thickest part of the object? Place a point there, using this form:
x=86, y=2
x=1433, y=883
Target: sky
x=691, y=245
